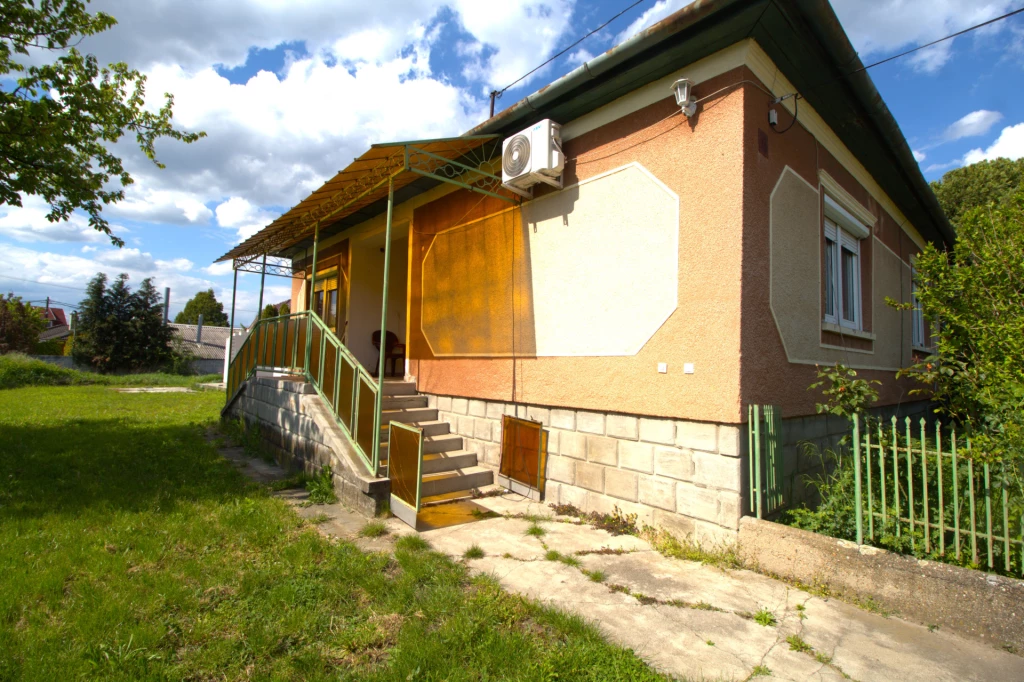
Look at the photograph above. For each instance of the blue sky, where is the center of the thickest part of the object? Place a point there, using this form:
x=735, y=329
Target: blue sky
x=289, y=93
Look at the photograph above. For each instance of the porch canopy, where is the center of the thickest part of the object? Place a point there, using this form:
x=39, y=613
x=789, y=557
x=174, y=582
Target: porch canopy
x=372, y=179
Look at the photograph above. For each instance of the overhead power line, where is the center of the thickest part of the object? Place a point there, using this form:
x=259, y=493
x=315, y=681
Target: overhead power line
x=499, y=93
x=936, y=42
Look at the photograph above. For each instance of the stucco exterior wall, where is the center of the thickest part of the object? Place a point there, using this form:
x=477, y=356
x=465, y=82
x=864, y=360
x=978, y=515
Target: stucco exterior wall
x=700, y=161
x=783, y=253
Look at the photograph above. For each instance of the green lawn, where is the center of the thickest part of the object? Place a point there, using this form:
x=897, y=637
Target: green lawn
x=130, y=550
x=17, y=370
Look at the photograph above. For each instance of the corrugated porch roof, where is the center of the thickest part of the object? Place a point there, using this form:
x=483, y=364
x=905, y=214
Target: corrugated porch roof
x=362, y=183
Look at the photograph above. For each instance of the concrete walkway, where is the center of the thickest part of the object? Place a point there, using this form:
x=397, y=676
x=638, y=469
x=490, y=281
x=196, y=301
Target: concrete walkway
x=686, y=619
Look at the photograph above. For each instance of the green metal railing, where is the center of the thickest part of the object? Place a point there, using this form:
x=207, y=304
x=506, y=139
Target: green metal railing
x=925, y=485
x=764, y=444
x=302, y=344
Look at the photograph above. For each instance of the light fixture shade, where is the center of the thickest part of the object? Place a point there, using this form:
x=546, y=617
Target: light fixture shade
x=681, y=88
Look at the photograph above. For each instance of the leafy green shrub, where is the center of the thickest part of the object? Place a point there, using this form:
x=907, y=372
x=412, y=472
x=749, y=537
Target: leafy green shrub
x=321, y=487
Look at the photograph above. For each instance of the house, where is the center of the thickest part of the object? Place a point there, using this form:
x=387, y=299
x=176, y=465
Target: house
x=54, y=317
x=207, y=344
x=703, y=255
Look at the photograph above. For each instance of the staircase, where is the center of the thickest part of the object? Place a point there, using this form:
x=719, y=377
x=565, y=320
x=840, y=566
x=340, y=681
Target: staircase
x=449, y=471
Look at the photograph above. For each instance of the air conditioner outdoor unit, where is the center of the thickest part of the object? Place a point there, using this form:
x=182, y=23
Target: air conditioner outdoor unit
x=531, y=156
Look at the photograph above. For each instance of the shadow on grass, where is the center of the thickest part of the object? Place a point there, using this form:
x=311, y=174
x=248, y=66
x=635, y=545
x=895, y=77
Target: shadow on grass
x=70, y=467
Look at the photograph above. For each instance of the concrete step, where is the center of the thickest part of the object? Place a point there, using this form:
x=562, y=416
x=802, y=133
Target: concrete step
x=457, y=480
x=409, y=415
x=446, y=442
x=399, y=402
x=399, y=387
x=431, y=427
x=439, y=462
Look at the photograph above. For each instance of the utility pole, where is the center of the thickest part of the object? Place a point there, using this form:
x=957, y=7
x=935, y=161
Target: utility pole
x=167, y=304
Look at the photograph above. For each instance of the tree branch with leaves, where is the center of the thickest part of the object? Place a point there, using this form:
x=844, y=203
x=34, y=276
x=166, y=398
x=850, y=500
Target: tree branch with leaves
x=60, y=120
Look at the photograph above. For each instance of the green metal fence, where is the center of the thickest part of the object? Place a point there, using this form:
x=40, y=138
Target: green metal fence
x=924, y=484
x=764, y=445
x=302, y=344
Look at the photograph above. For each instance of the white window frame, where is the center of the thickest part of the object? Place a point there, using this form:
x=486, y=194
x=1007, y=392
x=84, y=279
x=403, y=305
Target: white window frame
x=846, y=232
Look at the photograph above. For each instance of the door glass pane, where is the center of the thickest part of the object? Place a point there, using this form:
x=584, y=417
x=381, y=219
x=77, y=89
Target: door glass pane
x=830, y=277
x=849, y=285
x=331, y=318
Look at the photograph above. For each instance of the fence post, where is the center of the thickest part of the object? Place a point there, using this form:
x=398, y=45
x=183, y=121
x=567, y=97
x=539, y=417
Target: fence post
x=856, y=479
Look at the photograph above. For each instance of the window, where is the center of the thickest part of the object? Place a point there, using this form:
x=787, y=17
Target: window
x=917, y=315
x=842, y=277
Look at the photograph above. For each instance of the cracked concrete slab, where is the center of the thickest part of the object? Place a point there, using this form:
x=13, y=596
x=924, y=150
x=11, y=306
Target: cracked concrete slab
x=659, y=617
x=657, y=614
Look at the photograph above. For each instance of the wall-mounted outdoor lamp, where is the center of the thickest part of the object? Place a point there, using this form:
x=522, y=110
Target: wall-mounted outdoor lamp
x=684, y=99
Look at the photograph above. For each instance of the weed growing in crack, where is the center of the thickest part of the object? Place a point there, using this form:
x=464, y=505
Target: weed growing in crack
x=644, y=599
x=801, y=609
x=765, y=617
x=321, y=487
x=760, y=671
x=535, y=531
x=569, y=560
x=552, y=555
x=796, y=643
x=666, y=544
x=374, y=529
x=597, y=576
x=698, y=606
x=616, y=523
x=822, y=658
x=869, y=604
x=481, y=514
x=317, y=519
x=473, y=552
x=709, y=643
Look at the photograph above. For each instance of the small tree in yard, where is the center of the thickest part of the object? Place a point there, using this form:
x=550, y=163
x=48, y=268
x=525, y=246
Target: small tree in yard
x=269, y=310
x=204, y=303
x=20, y=325
x=119, y=330
x=976, y=292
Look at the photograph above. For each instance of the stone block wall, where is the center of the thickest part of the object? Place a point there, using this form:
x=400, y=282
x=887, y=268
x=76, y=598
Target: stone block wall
x=291, y=428
x=683, y=476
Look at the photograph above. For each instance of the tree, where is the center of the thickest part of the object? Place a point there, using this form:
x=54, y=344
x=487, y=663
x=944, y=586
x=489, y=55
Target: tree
x=975, y=291
x=980, y=184
x=286, y=308
x=206, y=304
x=119, y=330
x=269, y=310
x=58, y=121
x=20, y=325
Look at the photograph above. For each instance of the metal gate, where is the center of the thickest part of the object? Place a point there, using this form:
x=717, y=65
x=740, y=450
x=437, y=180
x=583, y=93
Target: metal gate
x=764, y=440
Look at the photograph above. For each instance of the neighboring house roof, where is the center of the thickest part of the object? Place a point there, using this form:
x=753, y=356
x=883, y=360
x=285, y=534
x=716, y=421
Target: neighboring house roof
x=56, y=316
x=59, y=331
x=802, y=37
x=213, y=342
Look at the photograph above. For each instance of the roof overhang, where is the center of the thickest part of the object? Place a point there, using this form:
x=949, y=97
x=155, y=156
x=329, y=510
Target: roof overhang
x=802, y=37
x=466, y=161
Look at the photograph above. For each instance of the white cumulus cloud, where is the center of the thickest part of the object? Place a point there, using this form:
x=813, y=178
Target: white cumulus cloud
x=1009, y=144
x=973, y=124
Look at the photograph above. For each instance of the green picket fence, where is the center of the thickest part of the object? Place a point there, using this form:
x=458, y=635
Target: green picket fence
x=921, y=483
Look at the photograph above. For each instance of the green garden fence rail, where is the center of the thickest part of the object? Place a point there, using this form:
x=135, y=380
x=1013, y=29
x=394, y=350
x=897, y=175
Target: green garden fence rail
x=302, y=344
x=764, y=445
x=923, y=483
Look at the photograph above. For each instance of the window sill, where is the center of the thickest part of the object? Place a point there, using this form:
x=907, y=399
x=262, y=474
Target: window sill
x=846, y=331
x=923, y=349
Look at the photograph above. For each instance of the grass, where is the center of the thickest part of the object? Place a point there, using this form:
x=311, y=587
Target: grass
x=596, y=576
x=473, y=552
x=374, y=529
x=130, y=550
x=760, y=671
x=535, y=531
x=17, y=371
